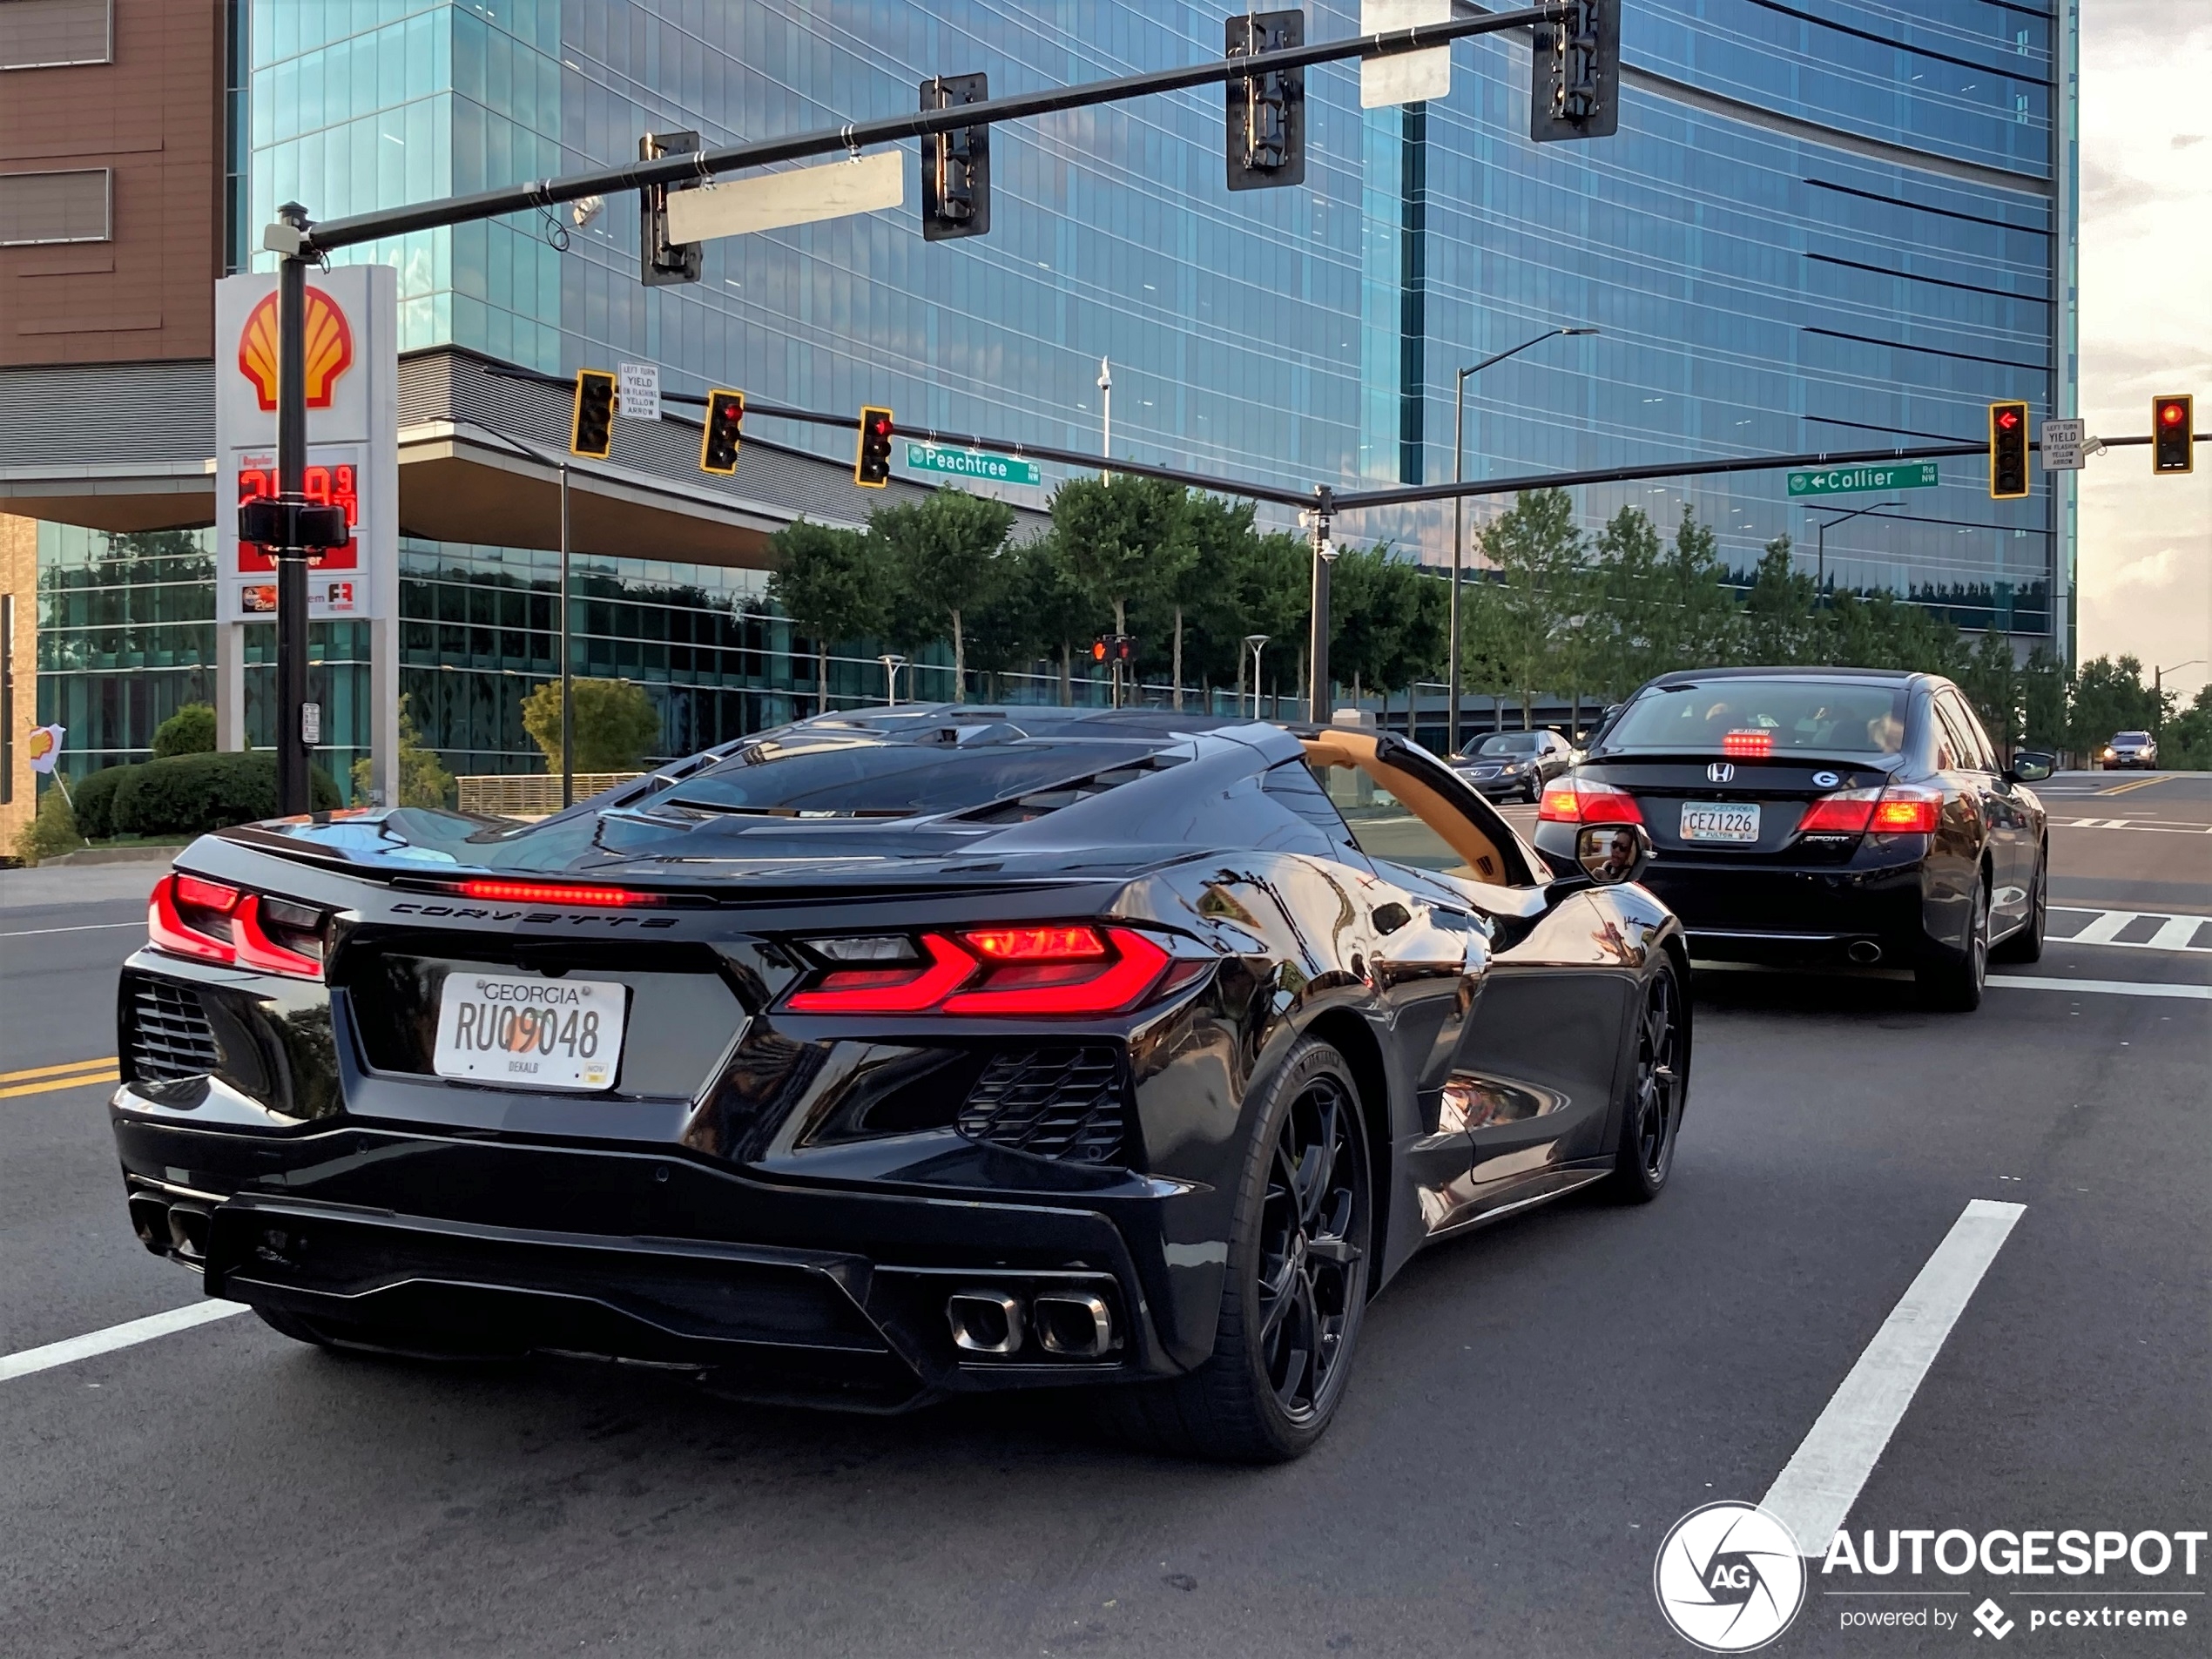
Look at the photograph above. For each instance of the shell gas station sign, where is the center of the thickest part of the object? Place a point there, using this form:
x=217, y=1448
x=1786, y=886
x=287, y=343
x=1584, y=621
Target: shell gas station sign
x=353, y=460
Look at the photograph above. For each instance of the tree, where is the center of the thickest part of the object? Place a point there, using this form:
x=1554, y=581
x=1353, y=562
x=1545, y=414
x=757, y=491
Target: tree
x=1696, y=624
x=944, y=550
x=1994, y=684
x=2109, y=696
x=1536, y=550
x=1625, y=620
x=2043, y=699
x=1780, y=621
x=616, y=725
x=1484, y=667
x=831, y=584
x=1386, y=620
x=1119, y=538
x=190, y=731
x=1273, y=583
x=2187, y=739
x=423, y=779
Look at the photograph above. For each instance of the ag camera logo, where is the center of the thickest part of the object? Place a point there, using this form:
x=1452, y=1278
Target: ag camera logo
x=1728, y=1577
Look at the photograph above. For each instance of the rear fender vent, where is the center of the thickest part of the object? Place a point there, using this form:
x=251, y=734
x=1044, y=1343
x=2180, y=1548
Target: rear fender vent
x=170, y=1036
x=1062, y=1102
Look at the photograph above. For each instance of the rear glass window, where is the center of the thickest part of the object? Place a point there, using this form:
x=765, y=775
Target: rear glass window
x=2133, y=736
x=868, y=779
x=1815, y=717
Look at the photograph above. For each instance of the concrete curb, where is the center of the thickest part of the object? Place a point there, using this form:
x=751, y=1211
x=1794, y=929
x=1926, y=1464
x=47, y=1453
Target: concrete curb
x=148, y=855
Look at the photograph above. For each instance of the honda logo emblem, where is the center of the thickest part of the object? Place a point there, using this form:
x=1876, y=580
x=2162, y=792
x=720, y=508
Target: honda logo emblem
x=1720, y=772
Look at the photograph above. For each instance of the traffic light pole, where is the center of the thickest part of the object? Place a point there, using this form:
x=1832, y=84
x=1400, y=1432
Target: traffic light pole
x=568, y=713
x=1317, y=646
x=293, y=750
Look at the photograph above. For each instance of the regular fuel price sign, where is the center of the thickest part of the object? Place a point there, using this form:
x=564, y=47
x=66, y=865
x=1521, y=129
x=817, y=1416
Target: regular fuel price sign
x=1844, y=480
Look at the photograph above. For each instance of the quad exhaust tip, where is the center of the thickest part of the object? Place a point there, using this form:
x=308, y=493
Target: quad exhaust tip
x=1068, y=1325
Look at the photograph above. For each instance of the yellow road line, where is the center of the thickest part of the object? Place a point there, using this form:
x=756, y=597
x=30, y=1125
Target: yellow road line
x=2140, y=783
x=52, y=1084
x=55, y=1071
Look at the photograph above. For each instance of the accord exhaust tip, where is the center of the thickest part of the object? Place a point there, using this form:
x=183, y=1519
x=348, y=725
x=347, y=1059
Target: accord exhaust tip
x=1865, y=951
x=1073, y=1325
x=985, y=1321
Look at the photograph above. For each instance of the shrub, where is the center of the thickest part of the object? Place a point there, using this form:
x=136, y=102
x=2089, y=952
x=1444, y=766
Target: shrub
x=190, y=731
x=616, y=725
x=423, y=779
x=96, y=802
x=190, y=794
x=51, y=832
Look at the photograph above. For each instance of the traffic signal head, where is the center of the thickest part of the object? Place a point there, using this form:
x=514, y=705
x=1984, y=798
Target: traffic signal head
x=2172, y=421
x=1099, y=650
x=955, y=165
x=659, y=261
x=1124, y=648
x=2007, y=451
x=592, y=432
x=871, y=467
x=723, y=432
x=1266, y=112
x=1575, y=74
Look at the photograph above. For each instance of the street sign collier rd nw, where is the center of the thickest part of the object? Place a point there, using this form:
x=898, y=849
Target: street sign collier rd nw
x=1841, y=480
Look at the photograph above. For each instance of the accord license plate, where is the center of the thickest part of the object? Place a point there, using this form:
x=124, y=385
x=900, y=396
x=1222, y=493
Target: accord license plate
x=529, y=1033
x=1723, y=821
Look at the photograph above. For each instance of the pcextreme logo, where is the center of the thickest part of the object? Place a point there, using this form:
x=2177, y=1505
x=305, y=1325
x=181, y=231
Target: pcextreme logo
x=330, y=348
x=1728, y=1577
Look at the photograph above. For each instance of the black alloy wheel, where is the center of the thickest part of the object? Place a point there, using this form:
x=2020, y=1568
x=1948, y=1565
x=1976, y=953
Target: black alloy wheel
x=1296, y=1282
x=2025, y=944
x=1651, y=1106
x=1951, y=978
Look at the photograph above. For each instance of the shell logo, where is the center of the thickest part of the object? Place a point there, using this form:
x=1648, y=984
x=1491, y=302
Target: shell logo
x=42, y=742
x=330, y=348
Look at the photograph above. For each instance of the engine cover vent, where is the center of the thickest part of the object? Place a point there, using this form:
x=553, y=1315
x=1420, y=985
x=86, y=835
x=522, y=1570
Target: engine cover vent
x=1056, y=1102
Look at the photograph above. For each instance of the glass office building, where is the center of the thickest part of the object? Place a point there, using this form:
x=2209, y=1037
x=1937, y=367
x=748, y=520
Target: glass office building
x=1824, y=226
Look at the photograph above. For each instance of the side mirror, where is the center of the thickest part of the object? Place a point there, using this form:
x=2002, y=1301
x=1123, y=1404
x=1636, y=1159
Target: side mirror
x=2031, y=767
x=1612, y=853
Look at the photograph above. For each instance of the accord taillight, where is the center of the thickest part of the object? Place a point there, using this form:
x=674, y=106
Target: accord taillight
x=1012, y=971
x=213, y=921
x=1585, y=801
x=1901, y=809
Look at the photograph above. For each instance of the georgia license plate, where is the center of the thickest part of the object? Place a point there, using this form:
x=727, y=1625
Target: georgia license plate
x=1723, y=822
x=529, y=1033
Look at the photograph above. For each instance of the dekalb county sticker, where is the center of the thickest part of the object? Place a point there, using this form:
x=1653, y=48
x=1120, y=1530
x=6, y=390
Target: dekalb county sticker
x=1728, y=1577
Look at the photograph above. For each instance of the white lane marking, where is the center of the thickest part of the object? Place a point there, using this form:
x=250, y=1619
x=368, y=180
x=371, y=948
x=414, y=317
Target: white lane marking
x=2174, y=933
x=87, y=927
x=2132, y=825
x=2107, y=987
x=116, y=1336
x=1815, y=1491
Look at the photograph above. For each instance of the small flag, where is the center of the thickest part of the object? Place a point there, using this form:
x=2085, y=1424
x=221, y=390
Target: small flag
x=46, y=747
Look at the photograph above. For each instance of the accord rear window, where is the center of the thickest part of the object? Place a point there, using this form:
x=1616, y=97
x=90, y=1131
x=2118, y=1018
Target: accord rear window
x=1814, y=716
x=873, y=779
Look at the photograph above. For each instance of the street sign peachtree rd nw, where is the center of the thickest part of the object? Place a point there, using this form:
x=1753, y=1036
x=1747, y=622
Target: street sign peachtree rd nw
x=972, y=463
x=1842, y=480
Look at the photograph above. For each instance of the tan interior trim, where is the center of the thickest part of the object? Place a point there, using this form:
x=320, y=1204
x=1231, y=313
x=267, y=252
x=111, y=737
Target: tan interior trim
x=1357, y=749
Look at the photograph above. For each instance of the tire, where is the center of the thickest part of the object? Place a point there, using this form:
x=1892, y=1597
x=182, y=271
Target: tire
x=1297, y=1273
x=1952, y=980
x=1657, y=1087
x=1534, y=791
x=2026, y=945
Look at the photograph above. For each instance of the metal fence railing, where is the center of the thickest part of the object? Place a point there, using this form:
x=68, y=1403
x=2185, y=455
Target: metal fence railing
x=529, y=795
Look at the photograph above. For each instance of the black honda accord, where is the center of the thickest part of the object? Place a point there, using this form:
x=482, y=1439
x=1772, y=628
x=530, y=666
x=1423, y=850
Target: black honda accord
x=1823, y=816
x=890, y=1055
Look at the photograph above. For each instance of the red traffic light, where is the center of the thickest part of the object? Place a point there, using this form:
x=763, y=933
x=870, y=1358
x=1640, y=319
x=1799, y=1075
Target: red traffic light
x=2008, y=419
x=2172, y=413
x=1097, y=651
x=2173, y=443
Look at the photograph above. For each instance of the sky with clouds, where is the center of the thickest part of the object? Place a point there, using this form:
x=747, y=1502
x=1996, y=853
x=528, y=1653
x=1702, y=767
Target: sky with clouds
x=2146, y=321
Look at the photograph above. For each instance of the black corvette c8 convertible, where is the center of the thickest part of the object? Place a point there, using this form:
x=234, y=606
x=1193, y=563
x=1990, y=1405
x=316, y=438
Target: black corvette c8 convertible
x=898, y=1054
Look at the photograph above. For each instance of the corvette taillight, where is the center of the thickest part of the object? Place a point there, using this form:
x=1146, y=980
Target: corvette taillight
x=1573, y=801
x=1901, y=809
x=1005, y=972
x=212, y=921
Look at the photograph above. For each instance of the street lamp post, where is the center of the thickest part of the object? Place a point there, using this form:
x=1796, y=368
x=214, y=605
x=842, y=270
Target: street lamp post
x=1820, y=546
x=1105, y=418
x=2158, y=691
x=892, y=662
x=1255, y=644
x=1458, y=517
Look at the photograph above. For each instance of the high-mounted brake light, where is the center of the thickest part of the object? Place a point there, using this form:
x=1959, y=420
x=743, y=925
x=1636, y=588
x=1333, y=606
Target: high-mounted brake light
x=543, y=893
x=212, y=921
x=1584, y=801
x=1009, y=972
x=1754, y=744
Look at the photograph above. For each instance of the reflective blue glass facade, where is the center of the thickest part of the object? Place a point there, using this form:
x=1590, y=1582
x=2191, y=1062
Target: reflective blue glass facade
x=1825, y=225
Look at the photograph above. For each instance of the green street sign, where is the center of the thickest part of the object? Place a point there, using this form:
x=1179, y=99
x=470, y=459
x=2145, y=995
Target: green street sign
x=1843, y=481
x=971, y=463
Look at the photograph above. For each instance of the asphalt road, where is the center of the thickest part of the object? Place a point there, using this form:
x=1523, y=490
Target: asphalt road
x=1535, y=1406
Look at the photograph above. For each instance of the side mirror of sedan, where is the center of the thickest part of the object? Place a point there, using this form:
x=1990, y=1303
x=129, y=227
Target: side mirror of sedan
x=2031, y=767
x=1612, y=853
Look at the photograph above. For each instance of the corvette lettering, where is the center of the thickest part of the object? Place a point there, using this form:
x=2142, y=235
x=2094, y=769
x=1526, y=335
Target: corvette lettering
x=470, y=913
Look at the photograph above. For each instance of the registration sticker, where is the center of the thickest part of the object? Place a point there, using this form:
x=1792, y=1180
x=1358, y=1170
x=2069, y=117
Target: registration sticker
x=529, y=1033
